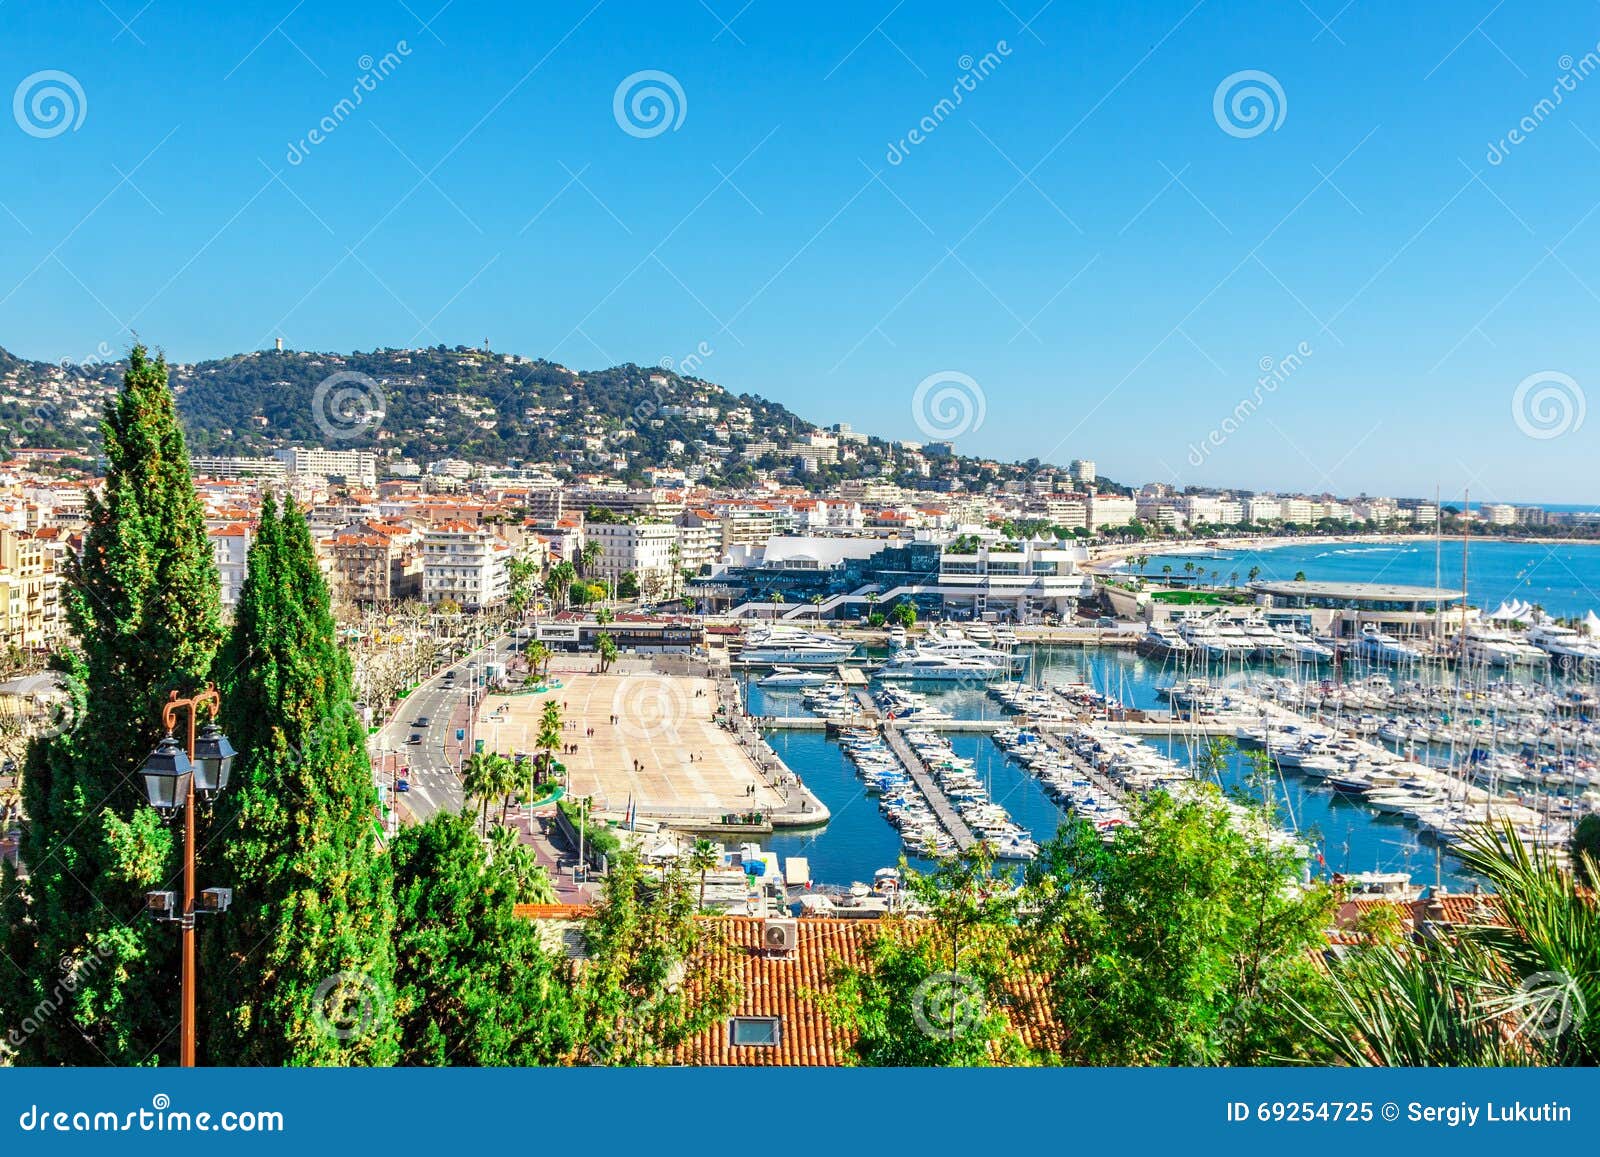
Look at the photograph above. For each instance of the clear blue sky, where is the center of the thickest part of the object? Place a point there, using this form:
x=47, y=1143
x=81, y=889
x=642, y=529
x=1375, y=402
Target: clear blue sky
x=1115, y=304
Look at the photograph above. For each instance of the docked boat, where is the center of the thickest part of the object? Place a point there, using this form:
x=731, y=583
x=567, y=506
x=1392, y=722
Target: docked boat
x=793, y=677
x=789, y=646
x=1377, y=646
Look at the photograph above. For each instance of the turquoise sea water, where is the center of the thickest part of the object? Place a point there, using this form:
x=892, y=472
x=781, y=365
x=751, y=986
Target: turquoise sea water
x=1564, y=579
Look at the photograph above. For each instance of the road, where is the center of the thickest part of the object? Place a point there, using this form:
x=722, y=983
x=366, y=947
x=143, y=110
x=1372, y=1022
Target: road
x=432, y=767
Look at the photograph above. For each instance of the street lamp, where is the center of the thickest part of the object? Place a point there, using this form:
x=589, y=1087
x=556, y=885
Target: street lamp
x=171, y=774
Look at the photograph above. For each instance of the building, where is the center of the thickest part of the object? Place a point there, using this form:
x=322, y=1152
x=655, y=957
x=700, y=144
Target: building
x=214, y=467
x=1016, y=581
x=31, y=618
x=1343, y=609
x=230, y=545
x=354, y=467
x=647, y=550
x=1082, y=471
x=1111, y=510
x=464, y=564
x=368, y=568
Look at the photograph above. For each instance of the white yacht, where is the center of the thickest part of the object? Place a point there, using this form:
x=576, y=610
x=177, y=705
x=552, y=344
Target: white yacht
x=793, y=677
x=1267, y=643
x=790, y=646
x=923, y=662
x=1376, y=646
x=1499, y=648
x=1298, y=645
x=1564, y=644
x=1162, y=638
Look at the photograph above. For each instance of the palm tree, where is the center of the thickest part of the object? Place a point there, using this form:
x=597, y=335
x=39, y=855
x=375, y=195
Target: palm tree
x=480, y=780
x=702, y=858
x=1254, y=573
x=817, y=601
x=1510, y=988
x=538, y=656
x=776, y=599
x=513, y=777
x=607, y=646
x=588, y=556
x=548, y=741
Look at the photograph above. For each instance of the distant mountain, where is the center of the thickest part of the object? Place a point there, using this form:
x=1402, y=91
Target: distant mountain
x=439, y=402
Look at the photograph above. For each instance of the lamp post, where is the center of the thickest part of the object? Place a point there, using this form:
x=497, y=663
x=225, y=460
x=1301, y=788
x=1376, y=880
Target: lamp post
x=171, y=775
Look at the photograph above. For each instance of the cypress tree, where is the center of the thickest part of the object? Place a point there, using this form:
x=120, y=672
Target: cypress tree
x=90, y=979
x=313, y=909
x=474, y=982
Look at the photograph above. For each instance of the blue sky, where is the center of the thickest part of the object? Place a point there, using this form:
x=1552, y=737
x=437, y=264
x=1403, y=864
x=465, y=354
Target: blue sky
x=1081, y=236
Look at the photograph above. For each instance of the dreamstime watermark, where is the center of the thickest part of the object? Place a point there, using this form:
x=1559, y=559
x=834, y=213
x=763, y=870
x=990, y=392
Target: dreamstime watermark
x=48, y=413
x=949, y=1005
x=948, y=404
x=648, y=103
x=373, y=73
x=1573, y=73
x=347, y=404
x=650, y=708
x=49, y=103
x=1248, y=103
x=651, y=408
x=973, y=73
x=688, y=365
x=1274, y=372
x=1548, y=404
x=72, y=972
x=1550, y=1004
x=348, y=1005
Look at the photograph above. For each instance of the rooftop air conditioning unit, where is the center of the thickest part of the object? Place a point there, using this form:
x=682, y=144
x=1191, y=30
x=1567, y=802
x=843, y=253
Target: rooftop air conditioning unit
x=780, y=935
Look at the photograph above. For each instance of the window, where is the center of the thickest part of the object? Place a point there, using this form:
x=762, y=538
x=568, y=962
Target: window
x=758, y=1031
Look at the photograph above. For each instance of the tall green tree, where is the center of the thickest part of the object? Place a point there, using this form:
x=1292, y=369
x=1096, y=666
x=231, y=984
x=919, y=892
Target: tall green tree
x=299, y=841
x=142, y=600
x=1187, y=940
x=474, y=985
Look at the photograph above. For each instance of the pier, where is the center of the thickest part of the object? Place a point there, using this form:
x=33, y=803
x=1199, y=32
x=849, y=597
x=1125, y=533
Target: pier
x=942, y=808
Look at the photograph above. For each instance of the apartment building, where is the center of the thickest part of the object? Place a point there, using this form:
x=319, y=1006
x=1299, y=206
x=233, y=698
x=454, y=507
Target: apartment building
x=31, y=616
x=465, y=564
x=356, y=467
x=647, y=550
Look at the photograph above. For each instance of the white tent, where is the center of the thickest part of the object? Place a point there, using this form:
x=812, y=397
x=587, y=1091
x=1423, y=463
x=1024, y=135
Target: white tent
x=1591, y=624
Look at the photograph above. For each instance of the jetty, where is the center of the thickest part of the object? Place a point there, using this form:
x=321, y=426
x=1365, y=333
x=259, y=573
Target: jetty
x=944, y=811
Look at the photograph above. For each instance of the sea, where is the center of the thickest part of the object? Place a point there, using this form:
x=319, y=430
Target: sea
x=1561, y=578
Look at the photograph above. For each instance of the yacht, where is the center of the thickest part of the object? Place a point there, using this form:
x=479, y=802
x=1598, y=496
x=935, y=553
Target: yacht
x=1376, y=646
x=1564, y=644
x=1298, y=645
x=920, y=662
x=794, y=647
x=1393, y=886
x=1268, y=644
x=1163, y=639
x=793, y=677
x=1498, y=648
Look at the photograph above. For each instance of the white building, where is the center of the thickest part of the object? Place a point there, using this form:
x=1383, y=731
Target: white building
x=1111, y=510
x=1021, y=583
x=465, y=564
x=648, y=550
x=231, y=546
x=1082, y=471
x=356, y=467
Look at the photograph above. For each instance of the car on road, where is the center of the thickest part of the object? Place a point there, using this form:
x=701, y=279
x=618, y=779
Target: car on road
x=422, y=721
x=1106, y=622
x=415, y=738
x=450, y=675
x=402, y=785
